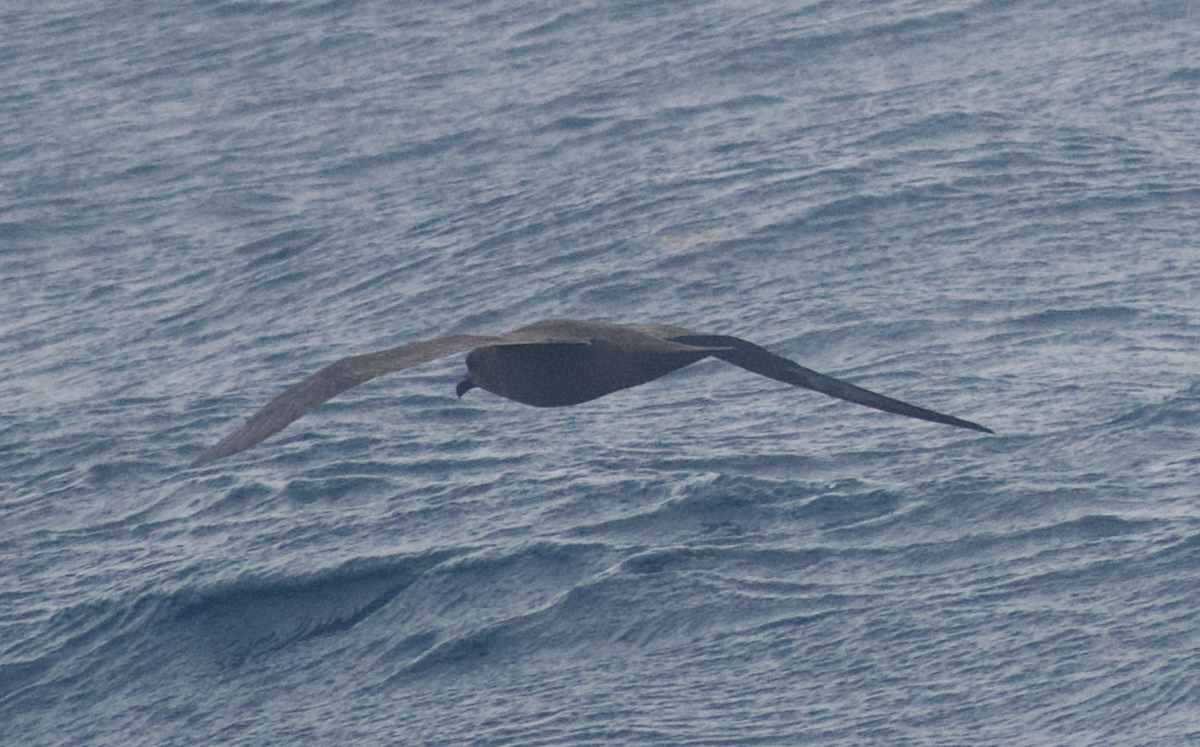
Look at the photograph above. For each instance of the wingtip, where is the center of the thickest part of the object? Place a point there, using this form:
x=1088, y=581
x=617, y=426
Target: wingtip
x=220, y=451
x=978, y=427
x=202, y=460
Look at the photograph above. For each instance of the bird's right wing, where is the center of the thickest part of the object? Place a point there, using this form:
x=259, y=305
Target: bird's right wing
x=761, y=361
x=330, y=382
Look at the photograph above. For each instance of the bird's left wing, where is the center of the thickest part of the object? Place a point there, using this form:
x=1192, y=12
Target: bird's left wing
x=330, y=382
x=761, y=361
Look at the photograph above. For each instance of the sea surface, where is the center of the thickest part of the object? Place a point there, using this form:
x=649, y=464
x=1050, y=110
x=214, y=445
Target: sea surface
x=985, y=207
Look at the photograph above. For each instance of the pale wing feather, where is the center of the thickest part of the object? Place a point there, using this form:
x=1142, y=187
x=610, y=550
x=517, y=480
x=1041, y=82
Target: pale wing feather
x=332, y=381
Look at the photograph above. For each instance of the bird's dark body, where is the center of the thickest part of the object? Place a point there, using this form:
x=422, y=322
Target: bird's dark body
x=557, y=374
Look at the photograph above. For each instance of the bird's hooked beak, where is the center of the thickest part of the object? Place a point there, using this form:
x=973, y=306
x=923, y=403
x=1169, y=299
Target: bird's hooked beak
x=464, y=386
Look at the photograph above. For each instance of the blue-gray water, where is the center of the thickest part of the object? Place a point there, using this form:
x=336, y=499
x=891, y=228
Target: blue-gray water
x=988, y=207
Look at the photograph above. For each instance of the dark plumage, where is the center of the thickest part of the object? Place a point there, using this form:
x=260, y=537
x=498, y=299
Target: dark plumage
x=554, y=363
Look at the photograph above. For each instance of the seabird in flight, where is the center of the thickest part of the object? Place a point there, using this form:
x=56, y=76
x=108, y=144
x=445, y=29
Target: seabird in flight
x=554, y=363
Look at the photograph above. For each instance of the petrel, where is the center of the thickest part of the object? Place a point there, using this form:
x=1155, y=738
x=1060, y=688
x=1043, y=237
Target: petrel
x=555, y=363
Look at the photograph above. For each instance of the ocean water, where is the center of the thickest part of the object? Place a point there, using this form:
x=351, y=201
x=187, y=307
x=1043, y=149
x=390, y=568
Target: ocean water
x=988, y=208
